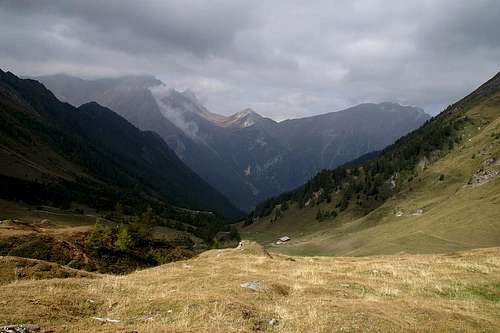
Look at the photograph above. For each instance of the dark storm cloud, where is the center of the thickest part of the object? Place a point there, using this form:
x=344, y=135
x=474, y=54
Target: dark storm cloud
x=147, y=27
x=282, y=58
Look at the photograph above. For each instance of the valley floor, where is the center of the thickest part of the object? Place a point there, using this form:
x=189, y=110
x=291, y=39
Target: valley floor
x=443, y=292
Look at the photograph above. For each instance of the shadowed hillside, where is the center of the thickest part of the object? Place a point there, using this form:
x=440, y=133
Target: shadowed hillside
x=245, y=156
x=53, y=152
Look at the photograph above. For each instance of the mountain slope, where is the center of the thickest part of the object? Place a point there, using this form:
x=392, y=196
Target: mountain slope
x=332, y=139
x=245, y=156
x=138, y=105
x=435, y=190
x=90, y=154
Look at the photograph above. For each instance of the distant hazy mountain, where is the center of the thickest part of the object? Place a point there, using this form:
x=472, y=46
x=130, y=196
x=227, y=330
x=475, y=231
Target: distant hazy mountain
x=89, y=154
x=245, y=156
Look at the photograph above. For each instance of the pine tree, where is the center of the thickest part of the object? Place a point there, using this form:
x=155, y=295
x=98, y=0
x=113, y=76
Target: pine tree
x=124, y=241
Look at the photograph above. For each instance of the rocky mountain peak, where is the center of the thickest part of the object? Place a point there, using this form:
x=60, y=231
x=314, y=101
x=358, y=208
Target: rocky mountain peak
x=244, y=118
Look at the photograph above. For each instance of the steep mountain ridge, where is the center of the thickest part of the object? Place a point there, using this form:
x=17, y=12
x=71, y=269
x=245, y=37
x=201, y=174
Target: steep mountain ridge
x=246, y=156
x=436, y=189
x=140, y=107
x=88, y=153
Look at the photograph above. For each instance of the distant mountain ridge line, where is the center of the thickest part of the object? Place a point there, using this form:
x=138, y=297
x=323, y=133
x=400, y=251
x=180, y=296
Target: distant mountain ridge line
x=148, y=81
x=246, y=156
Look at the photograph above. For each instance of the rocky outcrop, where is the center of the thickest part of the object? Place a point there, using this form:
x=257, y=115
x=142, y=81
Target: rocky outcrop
x=482, y=177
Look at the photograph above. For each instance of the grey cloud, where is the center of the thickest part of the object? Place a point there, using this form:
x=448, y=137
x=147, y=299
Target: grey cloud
x=284, y=59
x=199, y=26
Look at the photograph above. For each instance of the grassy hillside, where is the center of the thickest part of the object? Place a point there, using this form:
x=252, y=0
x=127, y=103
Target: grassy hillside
x=16, y=269
x=435, y=190
x=419, y=293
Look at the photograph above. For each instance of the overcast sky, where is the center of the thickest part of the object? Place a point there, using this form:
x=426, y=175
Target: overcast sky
x=284, y=59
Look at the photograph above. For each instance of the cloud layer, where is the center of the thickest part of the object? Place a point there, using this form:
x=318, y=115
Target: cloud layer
x=283, y=58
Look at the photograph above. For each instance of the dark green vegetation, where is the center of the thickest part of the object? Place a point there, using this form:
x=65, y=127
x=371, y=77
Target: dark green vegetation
x=434, y=190
x=124, y=248
x=367, y=184
x=90, y=159
x=54, y=152
x=117, y=243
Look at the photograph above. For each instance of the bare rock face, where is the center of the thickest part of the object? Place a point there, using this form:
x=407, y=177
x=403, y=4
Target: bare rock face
x=482, y=177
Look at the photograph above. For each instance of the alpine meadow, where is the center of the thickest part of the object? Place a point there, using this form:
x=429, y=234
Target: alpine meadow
x=232, y=166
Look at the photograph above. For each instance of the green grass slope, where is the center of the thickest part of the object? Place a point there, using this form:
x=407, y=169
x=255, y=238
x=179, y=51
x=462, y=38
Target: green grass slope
x=449, y=200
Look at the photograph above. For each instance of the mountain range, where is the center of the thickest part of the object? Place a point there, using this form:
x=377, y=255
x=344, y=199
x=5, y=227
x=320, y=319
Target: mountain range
x=53, y=152
x=245, y=156
x=437, y=189
x=425, y=208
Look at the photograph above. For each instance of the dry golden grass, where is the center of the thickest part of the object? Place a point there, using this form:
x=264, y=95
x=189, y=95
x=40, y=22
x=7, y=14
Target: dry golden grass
x=15, y=269
x=453, y=292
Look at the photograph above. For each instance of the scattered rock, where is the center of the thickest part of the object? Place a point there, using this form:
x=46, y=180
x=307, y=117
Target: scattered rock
x=418, y=212
x=399, y=213
x=482, y=177
x=274, y=322
x=152, y=316
x=491, y=161
x=25, y=328
x=106, y=320
x=253, y=285
x=252, y=248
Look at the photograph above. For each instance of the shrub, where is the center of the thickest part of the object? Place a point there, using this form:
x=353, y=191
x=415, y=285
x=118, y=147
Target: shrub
x=124, y=241
x=35, y=249
x=234, y=234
